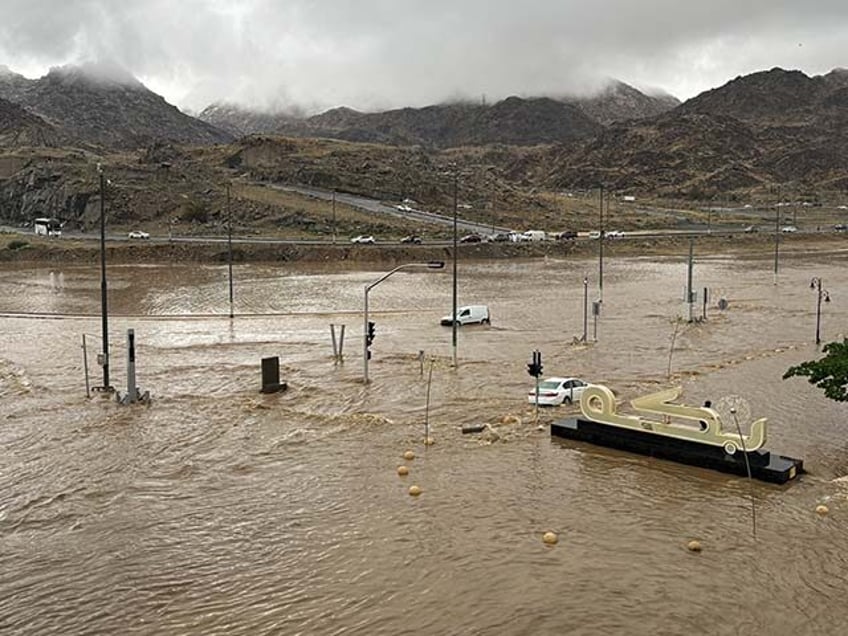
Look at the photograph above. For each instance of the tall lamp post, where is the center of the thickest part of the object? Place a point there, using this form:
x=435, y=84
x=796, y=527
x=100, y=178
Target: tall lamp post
x=230, y=248
x=453, y=322
x=366, y=353
x=816, y=284
x=104, y=314
x=585, y=308
x=601, y=249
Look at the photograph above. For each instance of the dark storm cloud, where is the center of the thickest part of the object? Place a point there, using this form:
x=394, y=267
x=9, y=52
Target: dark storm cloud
x=380, y=53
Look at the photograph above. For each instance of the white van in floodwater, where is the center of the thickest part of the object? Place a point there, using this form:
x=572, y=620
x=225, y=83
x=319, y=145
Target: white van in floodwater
x=469, y=315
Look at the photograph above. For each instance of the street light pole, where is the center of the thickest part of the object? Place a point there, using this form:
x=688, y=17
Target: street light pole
x=368, y=288
x=585, y=308
x=776, y=239
x=104, y=314
x=230, y=248
x=453, y=322
x=601, y=248
x=816, y=283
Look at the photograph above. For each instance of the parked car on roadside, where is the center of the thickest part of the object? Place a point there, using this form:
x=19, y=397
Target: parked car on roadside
x=138, y=234
x=555, y=391
x=471, y=238
x=364, y=239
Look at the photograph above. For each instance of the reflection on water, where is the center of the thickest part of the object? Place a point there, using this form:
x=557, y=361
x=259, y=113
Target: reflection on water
x=218, y=510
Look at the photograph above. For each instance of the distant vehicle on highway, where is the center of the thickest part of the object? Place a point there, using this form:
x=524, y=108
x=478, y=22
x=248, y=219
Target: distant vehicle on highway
x=840, y=227
x=500, y=237
x=751, y=229
x=138, y=234
x=789, y=229
x=614, y=234
x=47, y=227
x=594, y=234
x=363, y=239
x=533, y=235
x=471, y=238
x=412, y=238
x=567, y=235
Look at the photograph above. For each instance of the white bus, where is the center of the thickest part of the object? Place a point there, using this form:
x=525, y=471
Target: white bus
x=47, y=227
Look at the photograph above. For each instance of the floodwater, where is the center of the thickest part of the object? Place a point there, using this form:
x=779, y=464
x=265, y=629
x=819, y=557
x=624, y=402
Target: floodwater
x=219, y=510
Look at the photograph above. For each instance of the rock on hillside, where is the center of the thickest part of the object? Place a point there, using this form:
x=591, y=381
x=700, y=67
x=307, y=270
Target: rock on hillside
x=106, y=108
x=21, y=128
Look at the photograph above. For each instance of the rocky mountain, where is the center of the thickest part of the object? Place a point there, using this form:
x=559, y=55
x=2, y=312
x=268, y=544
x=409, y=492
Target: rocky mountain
x=515, y=120
x=240, y=121
x=106, y=108
x=19, y=127
x=618, y=101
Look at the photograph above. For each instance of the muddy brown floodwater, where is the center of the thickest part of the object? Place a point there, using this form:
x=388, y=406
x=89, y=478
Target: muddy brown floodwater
x=218, y=510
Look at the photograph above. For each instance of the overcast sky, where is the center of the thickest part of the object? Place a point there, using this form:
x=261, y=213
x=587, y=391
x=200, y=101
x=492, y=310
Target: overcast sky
x=373, y=54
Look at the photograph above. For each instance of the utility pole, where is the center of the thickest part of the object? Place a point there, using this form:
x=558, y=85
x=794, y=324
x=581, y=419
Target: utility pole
x=230, y=248
x=104, y=313
x=334, y=216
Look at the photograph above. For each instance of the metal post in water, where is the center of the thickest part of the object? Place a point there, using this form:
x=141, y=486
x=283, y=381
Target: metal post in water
x=132, y=389
x=333, y=337
x=85, y=366
x=690, y=296
x=427, y=407
x=341, y=344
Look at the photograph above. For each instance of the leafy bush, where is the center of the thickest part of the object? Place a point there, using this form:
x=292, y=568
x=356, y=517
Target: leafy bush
x=195, y=212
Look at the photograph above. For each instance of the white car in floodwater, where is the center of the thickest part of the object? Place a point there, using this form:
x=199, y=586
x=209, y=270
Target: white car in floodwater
x=555, y=391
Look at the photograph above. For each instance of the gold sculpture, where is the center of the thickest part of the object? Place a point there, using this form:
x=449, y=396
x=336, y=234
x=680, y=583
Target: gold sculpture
x=692, y=423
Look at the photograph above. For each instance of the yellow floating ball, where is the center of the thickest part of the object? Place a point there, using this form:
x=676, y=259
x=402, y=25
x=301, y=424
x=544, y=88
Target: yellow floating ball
x=414, y=491
x=402, y=470
x=694, y=546
x=822, y=509
x=550, y=538
x=409, y=455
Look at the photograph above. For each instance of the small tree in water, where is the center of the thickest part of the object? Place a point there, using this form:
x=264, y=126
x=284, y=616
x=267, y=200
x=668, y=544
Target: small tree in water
x=829, y=373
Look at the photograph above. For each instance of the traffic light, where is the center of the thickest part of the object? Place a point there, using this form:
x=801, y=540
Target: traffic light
x=534, y=367
x=369, y=337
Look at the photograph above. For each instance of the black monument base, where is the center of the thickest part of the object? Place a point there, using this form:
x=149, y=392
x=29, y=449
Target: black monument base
x=764, y=465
